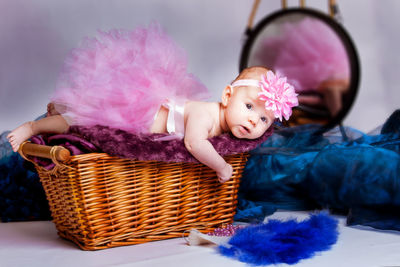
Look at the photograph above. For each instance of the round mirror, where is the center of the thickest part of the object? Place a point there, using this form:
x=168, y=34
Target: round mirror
x=316, y=55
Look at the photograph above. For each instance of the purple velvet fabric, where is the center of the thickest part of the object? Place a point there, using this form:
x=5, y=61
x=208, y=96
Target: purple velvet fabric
x=122, y=144
x=74, y=143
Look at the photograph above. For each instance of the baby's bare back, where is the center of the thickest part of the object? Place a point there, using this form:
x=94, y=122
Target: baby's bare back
x=206, y=115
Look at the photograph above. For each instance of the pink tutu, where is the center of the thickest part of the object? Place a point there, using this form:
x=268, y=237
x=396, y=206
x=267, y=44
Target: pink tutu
x=307, y=53
x=121, y=78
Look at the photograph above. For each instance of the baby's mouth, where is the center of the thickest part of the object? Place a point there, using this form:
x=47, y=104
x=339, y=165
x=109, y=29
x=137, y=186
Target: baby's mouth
x=246, y=129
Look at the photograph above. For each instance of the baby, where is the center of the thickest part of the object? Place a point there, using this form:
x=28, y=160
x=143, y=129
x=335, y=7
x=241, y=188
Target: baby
x=138, y=81
x=247, y=109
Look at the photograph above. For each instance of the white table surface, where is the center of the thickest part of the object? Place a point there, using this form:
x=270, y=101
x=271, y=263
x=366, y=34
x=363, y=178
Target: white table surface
x=37, y=244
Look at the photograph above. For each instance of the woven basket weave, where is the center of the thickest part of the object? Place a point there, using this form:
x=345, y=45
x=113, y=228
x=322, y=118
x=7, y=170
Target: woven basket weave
x=99, y=201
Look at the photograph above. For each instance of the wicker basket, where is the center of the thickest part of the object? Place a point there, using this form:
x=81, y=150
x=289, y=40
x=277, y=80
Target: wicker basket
x=99, y=201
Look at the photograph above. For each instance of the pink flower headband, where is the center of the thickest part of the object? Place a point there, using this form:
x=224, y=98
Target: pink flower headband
x=279, y=96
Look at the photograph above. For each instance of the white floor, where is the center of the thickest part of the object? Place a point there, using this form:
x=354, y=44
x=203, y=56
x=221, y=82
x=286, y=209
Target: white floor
x=37, y=244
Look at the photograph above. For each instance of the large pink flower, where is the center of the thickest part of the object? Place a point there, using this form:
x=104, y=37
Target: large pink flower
x=279, y=96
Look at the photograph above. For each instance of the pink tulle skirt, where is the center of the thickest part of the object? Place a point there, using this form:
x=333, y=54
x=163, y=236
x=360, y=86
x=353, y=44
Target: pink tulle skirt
x=121, y=78
x=307, y=52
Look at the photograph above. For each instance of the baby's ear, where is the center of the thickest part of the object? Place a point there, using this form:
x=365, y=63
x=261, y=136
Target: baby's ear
x=226, y=95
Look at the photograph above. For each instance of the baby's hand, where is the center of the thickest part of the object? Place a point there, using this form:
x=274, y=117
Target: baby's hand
x=225, y=174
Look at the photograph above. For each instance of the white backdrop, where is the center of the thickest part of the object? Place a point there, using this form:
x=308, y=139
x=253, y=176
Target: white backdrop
x=36, y=35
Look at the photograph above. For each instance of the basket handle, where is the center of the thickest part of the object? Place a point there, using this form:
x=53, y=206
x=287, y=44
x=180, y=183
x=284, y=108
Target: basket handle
x=55, y=153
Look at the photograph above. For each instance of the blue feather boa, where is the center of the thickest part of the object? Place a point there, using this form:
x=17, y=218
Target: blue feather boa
x=282, y=241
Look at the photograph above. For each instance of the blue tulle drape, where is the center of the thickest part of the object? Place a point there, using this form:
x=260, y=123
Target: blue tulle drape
x=22, y=197
x=354, y=174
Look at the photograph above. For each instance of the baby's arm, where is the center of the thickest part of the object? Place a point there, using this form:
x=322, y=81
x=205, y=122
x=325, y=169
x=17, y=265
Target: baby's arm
x=197, y=131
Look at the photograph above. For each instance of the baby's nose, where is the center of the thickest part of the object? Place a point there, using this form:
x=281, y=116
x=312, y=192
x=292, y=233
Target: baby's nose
x=253, y=119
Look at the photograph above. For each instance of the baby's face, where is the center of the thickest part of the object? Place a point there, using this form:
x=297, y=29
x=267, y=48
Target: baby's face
x=246, y=115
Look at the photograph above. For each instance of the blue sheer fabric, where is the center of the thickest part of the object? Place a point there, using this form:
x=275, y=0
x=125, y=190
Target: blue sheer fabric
x=343, y=170
x=22, y=197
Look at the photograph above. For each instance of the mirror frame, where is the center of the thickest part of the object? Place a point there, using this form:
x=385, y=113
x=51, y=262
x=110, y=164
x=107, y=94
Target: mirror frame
x=355, y=71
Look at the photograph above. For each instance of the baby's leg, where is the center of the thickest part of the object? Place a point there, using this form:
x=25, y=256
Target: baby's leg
x=52, y=124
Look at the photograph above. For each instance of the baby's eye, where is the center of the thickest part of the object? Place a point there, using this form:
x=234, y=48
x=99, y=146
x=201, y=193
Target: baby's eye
x=249, y=106
x=263, y=119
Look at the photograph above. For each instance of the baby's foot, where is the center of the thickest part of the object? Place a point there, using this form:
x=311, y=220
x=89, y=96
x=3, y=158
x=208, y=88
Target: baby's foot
x=19, y=135
x=51, y=110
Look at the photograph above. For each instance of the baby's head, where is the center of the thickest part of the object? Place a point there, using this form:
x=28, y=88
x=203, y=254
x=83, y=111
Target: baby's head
x=254, y=100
